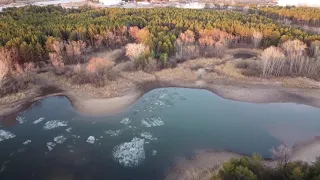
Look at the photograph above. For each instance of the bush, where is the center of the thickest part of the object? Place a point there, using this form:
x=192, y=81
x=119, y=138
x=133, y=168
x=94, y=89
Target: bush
x=14, y=84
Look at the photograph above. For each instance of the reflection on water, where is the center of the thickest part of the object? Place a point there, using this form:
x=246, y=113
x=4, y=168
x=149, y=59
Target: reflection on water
x=52, y=141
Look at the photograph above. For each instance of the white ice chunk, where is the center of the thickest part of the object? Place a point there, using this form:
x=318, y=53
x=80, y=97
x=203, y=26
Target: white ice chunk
x=154, y=152
x=147, y=135
x=152, y=122
x=51, y=145
x=38, y=120
x=26, y=142
x=125, y=121
x=21, y=119
x=91, y=139
x=130, y=154
x=69, y=129
x=114, y=133
x=60, y=139
x=54, y=124
x=6, y=135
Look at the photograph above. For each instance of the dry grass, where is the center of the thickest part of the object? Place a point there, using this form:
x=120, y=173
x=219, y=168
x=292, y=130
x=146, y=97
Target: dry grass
x=16, y=97
x=178, y=73
x=230, y=70
x=110, y=54
x=201, y=62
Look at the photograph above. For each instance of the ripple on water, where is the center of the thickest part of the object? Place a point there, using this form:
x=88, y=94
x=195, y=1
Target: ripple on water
x=54, y=124
x=6, y=135
x=130, y=154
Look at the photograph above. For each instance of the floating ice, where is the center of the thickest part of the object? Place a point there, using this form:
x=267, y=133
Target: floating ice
x=69, y=129
x=26, y=142
x=147, y=135
x=114, y=133
x=21, y=119
x=154, y=152
x=6, y=135
x=51, y=145
x=162, y=96
x=152, y=122
x=130, y=154
x=91, y=139
x=4, y=167
x=159, y=103
x=38, y=120
x=125, y=121
x=54, y=124
x=60, y=139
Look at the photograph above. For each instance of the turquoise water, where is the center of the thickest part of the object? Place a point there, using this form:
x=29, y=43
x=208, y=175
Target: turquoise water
x=143, y=141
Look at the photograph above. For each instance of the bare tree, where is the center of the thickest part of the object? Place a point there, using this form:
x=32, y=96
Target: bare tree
x=256, y=38
x=315, y=49
x=295, y=51
x=134, y=51
x=272, y=61
x=282, y=154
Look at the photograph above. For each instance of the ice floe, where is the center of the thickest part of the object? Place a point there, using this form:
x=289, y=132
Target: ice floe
x=130, y=154
x=147, y=135
x=152, y=122
x=60, y=139
x=69, y=129
x=21, y=120
x=54, y=124
x=125, y=121
x=6, y=135
x=4, y=166
x=50, y=145
x=114, y=133
x=154, y=152
x=38, y=120
x=91, y=139
x=26, y=142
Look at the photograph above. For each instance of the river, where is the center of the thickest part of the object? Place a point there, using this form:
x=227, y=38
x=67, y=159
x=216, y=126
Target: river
x=53, y=141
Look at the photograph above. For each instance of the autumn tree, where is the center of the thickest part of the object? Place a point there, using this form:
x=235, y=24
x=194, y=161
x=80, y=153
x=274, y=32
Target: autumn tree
x=272, y=61
x=256, y=39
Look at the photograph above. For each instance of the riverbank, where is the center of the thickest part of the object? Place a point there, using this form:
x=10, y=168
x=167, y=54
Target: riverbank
x=210, y=74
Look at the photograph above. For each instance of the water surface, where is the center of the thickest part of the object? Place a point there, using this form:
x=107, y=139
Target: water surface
x=144, y=140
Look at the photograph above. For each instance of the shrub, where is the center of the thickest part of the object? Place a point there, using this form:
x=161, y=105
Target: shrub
x=99, y=65
x=295, y=51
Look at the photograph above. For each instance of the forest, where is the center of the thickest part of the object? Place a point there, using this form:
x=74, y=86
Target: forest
x=299, y=15
x=30, y=30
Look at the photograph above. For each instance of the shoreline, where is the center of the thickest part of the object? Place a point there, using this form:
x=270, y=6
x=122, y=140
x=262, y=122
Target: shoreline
x=109, y=106
x=247, y=93
x=203, y=164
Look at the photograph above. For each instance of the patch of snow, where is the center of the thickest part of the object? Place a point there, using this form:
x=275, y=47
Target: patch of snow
x=114, y=133
x=26, y=142
x=6, y=135
x=125, y=121
x=69, y=129
x=50, y=145
x=21, y=120
x=38, y=120
x=60, y=139
x=154, y=152
x=130, y=154
x=152, y=122
x=147, y=135
x=54, y=124
x=91, y=139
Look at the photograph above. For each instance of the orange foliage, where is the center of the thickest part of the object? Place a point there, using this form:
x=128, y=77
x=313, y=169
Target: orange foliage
x=140, y=35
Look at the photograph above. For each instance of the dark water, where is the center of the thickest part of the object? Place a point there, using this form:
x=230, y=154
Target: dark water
x=181, y=120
